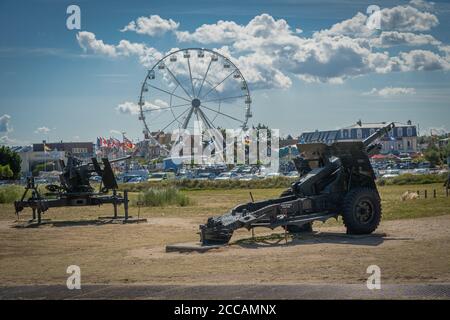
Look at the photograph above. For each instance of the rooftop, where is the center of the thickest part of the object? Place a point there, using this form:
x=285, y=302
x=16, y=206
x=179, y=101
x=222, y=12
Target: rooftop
x=370, y=125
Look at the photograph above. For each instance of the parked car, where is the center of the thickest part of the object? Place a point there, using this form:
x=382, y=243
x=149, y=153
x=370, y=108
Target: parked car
x=292, y=174
x=272, y=174
x=40, y=181
x=205, y=176
x=390, y=175
x=136, y=180
x=226, y=176
x=421, y=171
x=247, y=177
x=158, y=176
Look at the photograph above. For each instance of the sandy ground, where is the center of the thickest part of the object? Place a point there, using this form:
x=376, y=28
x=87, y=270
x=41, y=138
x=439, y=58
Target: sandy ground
x=407, y=251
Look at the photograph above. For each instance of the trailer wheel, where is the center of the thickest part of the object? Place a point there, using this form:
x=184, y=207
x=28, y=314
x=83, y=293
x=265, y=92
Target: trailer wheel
x=361, y=211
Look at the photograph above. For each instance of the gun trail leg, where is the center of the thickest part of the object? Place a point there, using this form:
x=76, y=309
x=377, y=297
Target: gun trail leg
x=125, y=203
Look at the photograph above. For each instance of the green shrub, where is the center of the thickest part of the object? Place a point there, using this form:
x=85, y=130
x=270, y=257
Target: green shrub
x=159, y=197
x=191, y=184
x=10, y=193
x=408, y=178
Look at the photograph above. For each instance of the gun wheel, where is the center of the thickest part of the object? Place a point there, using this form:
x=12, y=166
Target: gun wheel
x=361, y=211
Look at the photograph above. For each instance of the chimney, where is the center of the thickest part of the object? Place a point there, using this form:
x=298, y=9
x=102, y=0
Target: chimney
x=409, y=122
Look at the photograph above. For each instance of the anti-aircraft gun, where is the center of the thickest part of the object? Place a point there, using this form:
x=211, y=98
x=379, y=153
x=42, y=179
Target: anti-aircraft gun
x=335, y=179
x=75, y=188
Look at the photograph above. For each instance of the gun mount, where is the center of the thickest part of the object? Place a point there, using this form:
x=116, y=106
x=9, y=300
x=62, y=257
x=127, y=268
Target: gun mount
x=335, y=179
x=75, y=188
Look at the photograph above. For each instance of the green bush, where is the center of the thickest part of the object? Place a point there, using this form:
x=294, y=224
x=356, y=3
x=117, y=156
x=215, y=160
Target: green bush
x=10, y=193
x=408, y=178
x=12, y=159
x=191, y=184
x=6, y=172
x=159, y=197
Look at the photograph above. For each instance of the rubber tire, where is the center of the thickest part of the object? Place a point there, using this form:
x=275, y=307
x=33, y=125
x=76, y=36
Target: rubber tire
x=349, y=206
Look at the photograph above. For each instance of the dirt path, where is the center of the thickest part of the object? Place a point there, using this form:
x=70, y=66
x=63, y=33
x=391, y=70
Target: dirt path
x=407, y=251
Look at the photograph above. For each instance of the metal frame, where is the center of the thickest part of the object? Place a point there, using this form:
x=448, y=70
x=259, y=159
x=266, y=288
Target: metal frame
x=195, y=103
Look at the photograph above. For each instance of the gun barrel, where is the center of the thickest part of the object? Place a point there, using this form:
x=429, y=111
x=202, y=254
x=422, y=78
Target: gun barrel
x=377, y=134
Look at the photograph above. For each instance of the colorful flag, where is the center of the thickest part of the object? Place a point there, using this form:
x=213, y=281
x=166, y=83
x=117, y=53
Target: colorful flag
x=127, y=143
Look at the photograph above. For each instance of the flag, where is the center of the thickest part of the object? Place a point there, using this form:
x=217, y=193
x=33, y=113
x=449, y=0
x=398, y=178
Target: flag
x=127, y=143
x=115, y=143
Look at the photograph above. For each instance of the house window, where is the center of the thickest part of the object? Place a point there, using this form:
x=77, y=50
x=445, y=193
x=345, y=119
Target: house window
x=79, y=150
x=409, y=131
x=372, y=131
x=345, y=134
x=359, y=133
x=408, y=143
x=399, y=132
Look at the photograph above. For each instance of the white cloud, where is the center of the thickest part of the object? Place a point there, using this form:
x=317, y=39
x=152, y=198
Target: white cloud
x=422, y=5
x=42, y=130
x=260, y=30
x=153, y=25
x=89, y=42
x=5, y=140
x=407, y=18
x=221, y=32
x=353, y=27
x=270, y=53
x=395, y=38
x=5, y=123
x=421, y=60
x=390, y=91
x=132, y=108
x=399, y=18
x=147, y=55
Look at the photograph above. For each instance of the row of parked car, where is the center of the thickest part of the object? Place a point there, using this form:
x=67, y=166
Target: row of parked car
x=243, y=173
x=392, y=173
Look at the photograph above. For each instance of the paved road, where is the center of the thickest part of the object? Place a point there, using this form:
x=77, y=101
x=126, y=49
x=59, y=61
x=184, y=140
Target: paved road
x=303, y=291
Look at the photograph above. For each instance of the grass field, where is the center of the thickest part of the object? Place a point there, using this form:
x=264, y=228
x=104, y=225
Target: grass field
x=135, y=253
x=213, y=202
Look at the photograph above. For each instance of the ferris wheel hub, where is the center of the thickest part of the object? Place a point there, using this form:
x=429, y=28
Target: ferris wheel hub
x=196, y=103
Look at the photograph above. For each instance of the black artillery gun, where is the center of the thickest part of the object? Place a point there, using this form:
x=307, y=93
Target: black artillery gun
x=74, y=188
x=335, y=179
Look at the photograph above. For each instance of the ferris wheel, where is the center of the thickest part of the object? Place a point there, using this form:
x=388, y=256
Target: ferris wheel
x=189, y=85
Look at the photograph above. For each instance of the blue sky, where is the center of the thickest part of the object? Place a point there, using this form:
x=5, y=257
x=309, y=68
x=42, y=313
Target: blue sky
x=320, y=69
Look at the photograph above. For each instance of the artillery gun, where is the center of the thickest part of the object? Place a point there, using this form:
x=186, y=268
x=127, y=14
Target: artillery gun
x=75, y=188
x=335, y=179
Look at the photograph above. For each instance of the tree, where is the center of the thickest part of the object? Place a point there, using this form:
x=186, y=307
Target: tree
x=6, y=172
x=11, y=159
x=433, y=155
x=46, y=166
